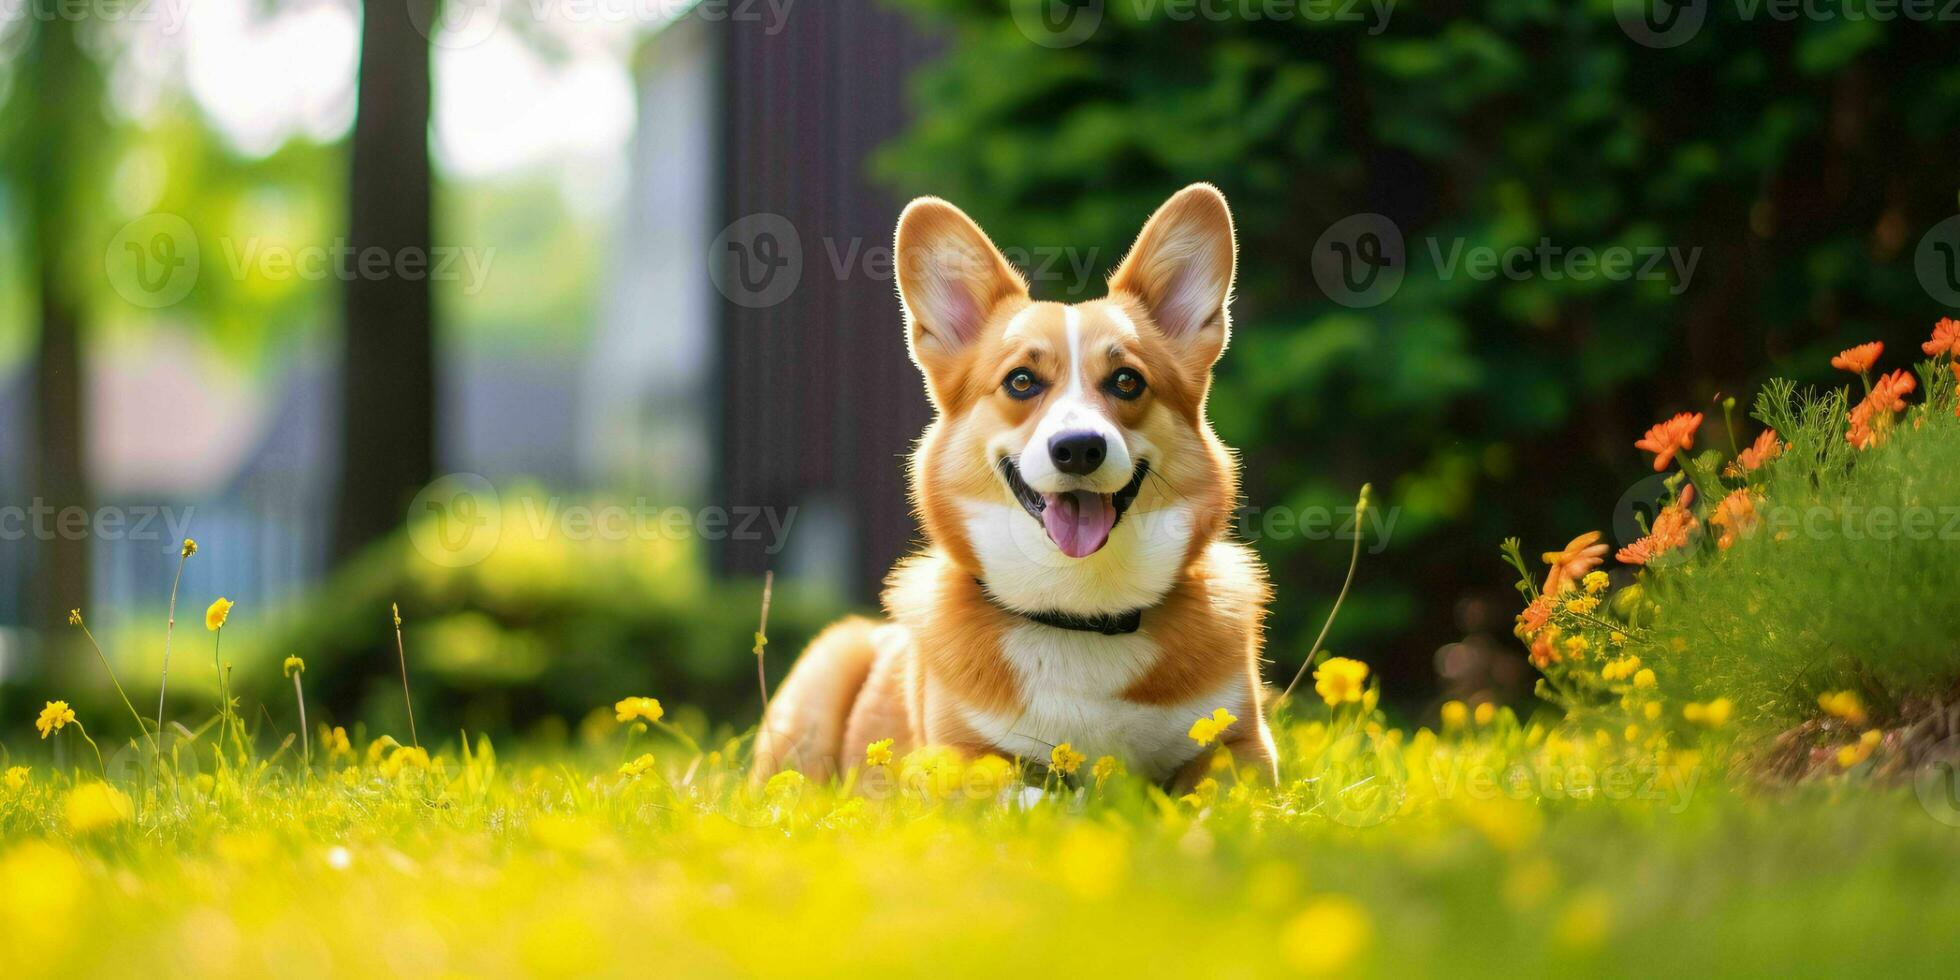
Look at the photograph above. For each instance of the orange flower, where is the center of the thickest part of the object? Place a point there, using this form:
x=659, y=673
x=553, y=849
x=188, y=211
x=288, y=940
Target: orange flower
x=1736, y=515
x=1859, y=359
x=1669, y=437
x=1639, y=553
x=1579, y=556
x=1544, y=649
x=1767, y=447
x=1946, y=338
x=1535, y=616
x=1892, y=389
x=1873, y=416
x=1676, y=521
x=1671, y=529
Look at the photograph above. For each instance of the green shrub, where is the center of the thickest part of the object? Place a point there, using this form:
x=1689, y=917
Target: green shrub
x=1828, y=567
x=543, y=628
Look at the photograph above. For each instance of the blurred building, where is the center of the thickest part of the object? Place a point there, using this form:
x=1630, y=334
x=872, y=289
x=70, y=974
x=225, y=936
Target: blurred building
x=691, y=392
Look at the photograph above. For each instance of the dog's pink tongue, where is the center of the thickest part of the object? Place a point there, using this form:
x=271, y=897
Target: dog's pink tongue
x=1078, y=522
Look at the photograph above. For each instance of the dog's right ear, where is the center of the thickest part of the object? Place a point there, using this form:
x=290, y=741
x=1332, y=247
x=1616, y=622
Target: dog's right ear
x=951, y=279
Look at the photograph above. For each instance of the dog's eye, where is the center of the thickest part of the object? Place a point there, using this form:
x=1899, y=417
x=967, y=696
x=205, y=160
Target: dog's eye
x=1022, y=384
x=1125, y=384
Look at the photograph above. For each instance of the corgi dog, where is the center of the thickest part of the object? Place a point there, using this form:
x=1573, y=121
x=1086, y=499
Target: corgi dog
x=1077, y=585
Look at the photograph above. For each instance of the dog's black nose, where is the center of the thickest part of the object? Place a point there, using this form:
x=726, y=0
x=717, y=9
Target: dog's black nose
x=1077, y=453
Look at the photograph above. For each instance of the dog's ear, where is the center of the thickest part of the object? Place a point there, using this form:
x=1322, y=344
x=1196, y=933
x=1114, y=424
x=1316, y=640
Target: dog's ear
x=1181, y=269
x=951, y=279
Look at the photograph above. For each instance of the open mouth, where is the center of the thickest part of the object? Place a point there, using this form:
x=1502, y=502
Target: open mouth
x=1078, y=521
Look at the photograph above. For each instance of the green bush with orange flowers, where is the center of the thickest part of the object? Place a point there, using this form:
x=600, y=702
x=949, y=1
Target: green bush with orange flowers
x=1803, y=585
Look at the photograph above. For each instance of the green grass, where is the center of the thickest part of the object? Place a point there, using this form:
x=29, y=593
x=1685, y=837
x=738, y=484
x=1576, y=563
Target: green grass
x=1445, y=862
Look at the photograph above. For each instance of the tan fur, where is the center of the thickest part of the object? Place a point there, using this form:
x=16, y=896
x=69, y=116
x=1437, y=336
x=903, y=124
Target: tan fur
x=939, y=671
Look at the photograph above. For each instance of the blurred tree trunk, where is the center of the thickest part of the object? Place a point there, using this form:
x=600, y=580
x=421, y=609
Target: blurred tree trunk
x=64, y=108
x=387, y=444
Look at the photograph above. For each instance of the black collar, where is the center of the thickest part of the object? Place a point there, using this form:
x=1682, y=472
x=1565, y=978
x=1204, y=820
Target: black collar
x=1108, y=624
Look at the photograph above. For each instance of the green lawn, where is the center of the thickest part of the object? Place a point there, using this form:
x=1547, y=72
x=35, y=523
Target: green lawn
x=1491, y=849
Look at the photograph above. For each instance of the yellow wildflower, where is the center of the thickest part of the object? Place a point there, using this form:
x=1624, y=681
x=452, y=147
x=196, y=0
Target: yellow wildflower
x=1202, y=794
x=335, y=742
x=1206, y=730
x=404, y=758
x=1652, y=710
x=1714, y=714
x=293, y=665
x=93, y=806
x=190, y=548
x=1104, y=768
x=1582, y=605
x=215, y=616
x=648, y=709
x=1327, y=935
x=1577, y=645
x=638, y=767
x=74, y=617
x=1486, y=713
x=1065, y=760
x=878, y=753
x=1455, y=714
x=1618, y=638
x=1644, y=679
x=1339, y=680
x=1621, y=669
x=1843, y=705
x=1859, y=751
x=54, y=717
x=16, y=777
x=1596, y=582
x=989, y=773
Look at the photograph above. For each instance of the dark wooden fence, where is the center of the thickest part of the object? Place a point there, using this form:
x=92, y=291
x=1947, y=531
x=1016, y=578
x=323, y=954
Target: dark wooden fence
x=818, y=402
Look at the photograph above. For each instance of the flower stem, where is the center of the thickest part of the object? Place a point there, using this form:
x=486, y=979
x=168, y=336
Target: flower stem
x=91, y=744
x=169, y=627
x=691, y=744
x=1354, y=562
x=401, y=653
x=119, y=688
x=224, y=691
x=762, y=638
x=305, y=741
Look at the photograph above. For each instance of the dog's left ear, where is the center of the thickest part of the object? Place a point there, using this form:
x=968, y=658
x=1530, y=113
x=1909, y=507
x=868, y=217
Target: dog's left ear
x=1181, y=268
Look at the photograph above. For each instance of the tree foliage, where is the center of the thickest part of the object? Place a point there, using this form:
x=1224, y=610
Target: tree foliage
x=1803, y=159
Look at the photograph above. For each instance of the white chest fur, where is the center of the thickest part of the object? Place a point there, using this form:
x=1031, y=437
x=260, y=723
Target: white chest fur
x=1073, y=682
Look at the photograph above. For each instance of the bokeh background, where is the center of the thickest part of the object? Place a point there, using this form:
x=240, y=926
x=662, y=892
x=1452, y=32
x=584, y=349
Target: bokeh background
x=633, y=260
